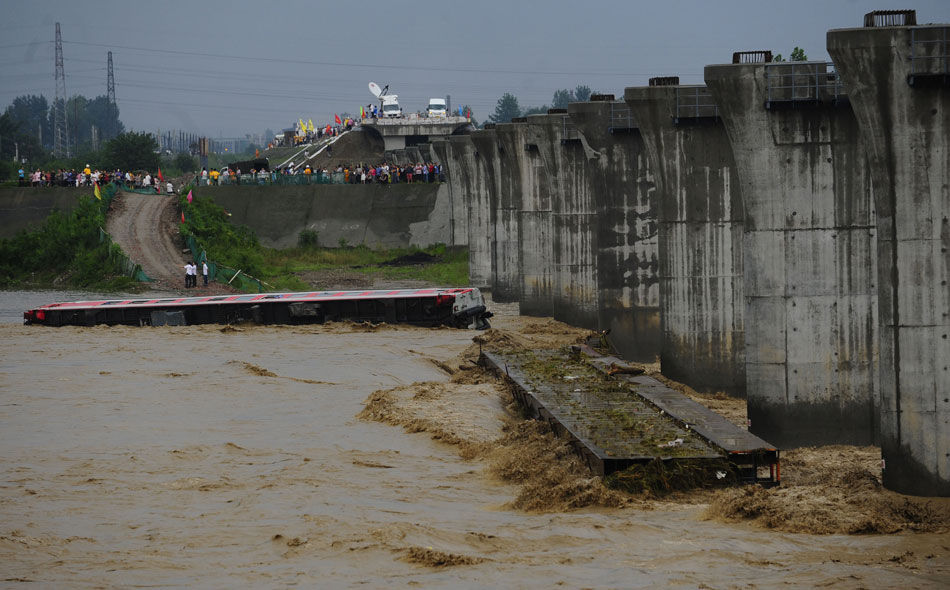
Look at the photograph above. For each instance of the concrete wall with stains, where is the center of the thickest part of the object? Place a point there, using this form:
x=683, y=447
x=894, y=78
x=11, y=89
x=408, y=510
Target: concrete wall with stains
x=809, y=257
x=700, y=241
x=901, y=97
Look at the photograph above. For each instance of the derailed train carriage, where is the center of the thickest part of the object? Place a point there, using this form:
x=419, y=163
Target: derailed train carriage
x=462, y=308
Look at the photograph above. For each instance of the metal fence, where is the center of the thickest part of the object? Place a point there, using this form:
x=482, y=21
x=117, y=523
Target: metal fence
x=692, y=104
x=272, y=178
x=800, y=83
x=621, y=118
x=569, y=132
x=930, y=51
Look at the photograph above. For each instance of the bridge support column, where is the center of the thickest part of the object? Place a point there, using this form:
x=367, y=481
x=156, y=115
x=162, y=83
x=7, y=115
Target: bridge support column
x=906, y=129
x=700, y=239
x=618, y=177
x=809, y=255
x=503, y=181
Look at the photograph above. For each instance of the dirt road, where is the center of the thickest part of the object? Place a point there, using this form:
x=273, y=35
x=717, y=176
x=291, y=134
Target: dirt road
x=146, y=227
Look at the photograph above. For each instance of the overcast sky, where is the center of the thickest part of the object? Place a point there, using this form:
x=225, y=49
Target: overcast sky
x=226, y=68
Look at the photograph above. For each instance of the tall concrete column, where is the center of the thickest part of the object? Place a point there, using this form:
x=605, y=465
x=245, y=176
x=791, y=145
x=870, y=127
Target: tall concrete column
x=465, y=171
x=907, y=133
x=504, y=189
x=441, y=150
x=574, y=290
x=809, y=255
x=700, y=238
x=627, y=260
x=531, y=196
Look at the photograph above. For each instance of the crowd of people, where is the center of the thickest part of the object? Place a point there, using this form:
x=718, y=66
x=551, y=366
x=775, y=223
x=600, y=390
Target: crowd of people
x=383, y=173
x=87, y=177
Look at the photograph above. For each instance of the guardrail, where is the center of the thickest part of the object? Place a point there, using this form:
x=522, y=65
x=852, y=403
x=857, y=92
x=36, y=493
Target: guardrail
x=694, y=104
x=929, y=56
x=791, y=84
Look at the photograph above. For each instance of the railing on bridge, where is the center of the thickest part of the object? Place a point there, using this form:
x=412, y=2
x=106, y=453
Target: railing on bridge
x=793, y=84
x=929, y=56
x=569, y=133
x=416, y=119
x=621, y=118
x=694, y=104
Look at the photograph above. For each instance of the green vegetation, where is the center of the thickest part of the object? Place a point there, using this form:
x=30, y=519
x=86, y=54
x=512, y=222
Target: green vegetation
x=448, y=267
x=797, y=54
x=131, y=151
x=238, y=248
x=227, y=244
x=65, y=252
x=508, y=107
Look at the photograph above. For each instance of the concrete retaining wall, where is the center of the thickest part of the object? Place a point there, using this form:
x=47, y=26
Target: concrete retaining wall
x=27, y=207
x=907, y=134
x=388, y=216
x=809, y=257
x=700, y=244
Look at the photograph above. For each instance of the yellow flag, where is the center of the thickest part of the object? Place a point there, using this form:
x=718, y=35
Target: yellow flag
x=302, y=126
x=97, y=193
x=309, y=124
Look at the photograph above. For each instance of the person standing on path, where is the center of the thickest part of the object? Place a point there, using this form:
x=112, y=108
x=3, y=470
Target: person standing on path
x=187, y=274
x=204, y=271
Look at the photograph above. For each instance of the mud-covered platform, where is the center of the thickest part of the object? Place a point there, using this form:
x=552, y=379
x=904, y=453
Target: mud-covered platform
x=615, y=418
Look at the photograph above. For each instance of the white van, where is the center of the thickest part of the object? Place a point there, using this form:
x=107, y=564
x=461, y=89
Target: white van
x=390, y=106
x=436, y=108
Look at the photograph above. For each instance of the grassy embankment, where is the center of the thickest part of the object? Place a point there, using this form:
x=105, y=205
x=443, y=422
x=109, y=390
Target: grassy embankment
x=237, y=247
x=65, y=252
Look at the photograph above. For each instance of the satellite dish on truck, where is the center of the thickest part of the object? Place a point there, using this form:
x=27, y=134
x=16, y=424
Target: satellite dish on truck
x=375, y=89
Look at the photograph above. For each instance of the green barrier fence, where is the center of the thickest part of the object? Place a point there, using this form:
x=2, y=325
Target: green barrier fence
x=281, y=179
x=223, y=274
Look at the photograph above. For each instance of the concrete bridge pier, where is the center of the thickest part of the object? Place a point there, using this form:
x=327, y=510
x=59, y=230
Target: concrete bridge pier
x=573, y=221
x=700, y=235
x=466, y=169
x=898, y=83
x=529, y=194
x=503, y=180
x=602, y=136
x=441, y=151
x=809, y=254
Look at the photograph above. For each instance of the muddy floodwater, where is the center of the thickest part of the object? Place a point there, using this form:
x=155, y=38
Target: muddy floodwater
x=210, y=457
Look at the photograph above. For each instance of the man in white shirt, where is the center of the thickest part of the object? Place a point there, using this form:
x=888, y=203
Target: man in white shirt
x=204, y=271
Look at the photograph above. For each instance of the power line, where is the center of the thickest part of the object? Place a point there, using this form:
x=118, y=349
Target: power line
x=401, y=67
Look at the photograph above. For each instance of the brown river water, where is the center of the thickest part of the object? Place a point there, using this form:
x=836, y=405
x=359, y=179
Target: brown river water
x=209, y=457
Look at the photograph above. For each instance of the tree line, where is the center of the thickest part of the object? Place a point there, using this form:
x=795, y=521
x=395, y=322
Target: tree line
x=27, y=129
x=509, y=108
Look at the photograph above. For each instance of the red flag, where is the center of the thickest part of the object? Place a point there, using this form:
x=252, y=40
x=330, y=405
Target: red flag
x=160, y=177
x=189, y=198
x=183, y=217
x=338, y=121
